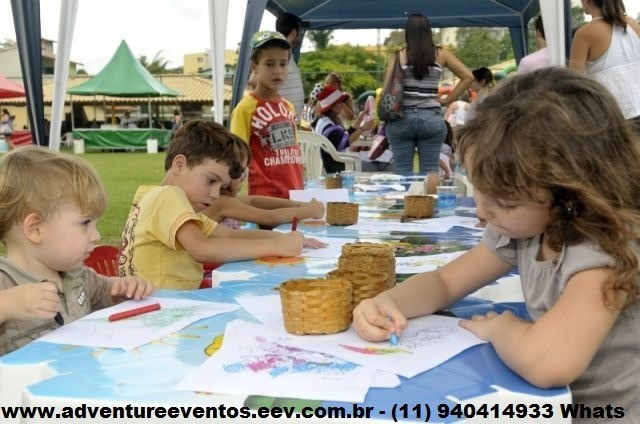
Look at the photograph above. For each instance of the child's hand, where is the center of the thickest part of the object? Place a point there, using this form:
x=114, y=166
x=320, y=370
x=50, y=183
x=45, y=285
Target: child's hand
x=483, y=325
x=130, y=288
x=376, y=318
x=368, y=126
x=290, y=244
x=317, y=209
x=358, y=121
x=30, y=301
x=313, y=243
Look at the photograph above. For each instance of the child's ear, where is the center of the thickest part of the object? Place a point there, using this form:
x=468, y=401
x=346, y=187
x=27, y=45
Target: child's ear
x=179, y=163
x=31, y=227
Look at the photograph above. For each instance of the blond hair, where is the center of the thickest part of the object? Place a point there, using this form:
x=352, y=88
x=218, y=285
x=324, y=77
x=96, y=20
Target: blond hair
x=557, y=132
x=36, y=180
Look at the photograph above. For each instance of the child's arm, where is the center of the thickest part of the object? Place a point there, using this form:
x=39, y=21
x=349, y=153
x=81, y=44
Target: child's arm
x=265, y=210
x=375, y=319
x=247, y=244
x=29, y=301
x=556, y=349
x=122, y=288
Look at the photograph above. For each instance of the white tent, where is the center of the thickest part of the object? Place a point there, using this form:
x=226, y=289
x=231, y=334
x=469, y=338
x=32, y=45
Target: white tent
x=553, y=15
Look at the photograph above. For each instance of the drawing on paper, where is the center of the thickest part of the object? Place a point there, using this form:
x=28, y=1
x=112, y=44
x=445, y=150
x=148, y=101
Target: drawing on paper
x=427, y=336
x=408, y=342
x=155, y=320
x=375, y=350
x=275, y=360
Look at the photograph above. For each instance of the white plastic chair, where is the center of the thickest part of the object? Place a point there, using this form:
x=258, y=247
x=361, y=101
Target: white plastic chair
x=312, y=143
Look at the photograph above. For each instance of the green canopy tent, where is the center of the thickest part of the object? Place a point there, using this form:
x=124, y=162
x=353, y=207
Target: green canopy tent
x=123, y=76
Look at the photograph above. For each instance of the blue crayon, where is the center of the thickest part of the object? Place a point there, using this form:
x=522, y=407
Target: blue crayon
x=393, y=339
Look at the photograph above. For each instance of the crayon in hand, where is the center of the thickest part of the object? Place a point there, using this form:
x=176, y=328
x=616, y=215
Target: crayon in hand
x=393, y=339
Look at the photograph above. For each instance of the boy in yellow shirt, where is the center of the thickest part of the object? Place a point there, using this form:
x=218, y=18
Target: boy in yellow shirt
x=167, y=238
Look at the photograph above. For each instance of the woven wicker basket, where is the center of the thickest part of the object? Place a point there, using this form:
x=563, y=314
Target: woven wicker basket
x=365, y=285
x=374, y=258
x=418, y=206
x=333, y=181
x=342, y=213
x=316, y=306
x=369, y=267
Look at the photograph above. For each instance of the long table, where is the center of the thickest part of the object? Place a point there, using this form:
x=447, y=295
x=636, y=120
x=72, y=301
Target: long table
x=86, y=379
x=121, y=139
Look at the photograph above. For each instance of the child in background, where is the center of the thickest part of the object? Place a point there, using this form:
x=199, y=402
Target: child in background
x=483, y=84
x=230, y=208
x=167, y=237
x=48, y=230
x=568, y=219
x=266, y=121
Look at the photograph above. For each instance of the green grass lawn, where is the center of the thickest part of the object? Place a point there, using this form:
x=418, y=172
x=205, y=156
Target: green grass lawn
x=122, y=173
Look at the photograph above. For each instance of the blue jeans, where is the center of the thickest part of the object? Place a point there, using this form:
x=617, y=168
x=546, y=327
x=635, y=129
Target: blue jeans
x=421, y=128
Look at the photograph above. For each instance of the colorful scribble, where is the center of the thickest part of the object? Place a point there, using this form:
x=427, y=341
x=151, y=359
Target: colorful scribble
x=276, y=360
x=374, y=350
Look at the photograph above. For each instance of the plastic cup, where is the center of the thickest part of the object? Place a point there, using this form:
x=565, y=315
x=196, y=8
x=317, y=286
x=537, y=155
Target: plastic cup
x=447, y=200
x=348, y=180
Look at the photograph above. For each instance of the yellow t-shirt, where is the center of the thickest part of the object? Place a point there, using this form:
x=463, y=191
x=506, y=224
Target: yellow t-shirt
x=149, y=247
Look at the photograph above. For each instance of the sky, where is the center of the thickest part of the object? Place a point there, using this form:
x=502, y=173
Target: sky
x=172, y=27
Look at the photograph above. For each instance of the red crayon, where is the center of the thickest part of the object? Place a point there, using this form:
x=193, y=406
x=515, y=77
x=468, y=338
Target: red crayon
x=294, y=224
x=134, y=312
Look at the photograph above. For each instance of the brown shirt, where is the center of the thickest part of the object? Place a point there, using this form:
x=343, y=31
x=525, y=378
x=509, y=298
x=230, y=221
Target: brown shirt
x=82, y=291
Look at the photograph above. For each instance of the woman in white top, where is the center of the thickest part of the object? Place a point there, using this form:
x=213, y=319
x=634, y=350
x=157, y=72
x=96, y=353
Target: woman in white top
x=608, y=49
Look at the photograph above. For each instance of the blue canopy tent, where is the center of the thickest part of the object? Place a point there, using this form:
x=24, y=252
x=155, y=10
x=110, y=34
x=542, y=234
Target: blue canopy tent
x=366, y=14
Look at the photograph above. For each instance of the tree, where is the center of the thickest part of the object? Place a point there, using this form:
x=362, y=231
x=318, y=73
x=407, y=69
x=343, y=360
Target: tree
x=159, y=65
x=320, y=37
x=577, y=16
x=395, y=40
x=356, y=65
x=7, y=43
x=479, y=47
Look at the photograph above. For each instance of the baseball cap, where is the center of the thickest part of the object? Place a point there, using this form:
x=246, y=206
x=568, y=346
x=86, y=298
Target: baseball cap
x=261, y=38
x=329, y=96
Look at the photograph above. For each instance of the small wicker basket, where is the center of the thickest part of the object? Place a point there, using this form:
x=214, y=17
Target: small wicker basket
x=316, y=306
x=333, y=181
x=418, y=206
x=342, y=213
x=369, y=267
x=364, y=284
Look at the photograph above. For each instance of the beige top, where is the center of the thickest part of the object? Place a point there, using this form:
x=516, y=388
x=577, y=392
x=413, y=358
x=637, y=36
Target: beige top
x=83, y=291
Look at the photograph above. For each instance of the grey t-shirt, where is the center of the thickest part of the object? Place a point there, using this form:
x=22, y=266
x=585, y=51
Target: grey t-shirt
x=613, y=377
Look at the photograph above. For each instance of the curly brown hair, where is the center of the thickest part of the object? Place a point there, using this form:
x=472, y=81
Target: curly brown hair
x=560, y=133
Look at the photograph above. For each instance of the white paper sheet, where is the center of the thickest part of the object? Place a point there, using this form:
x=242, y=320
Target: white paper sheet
x=430, y=225
x=333, y=250
x=97, y=331
x=426, y=343
x=254, y=361
x=417, y=264
x=450, y=221
x=320, y=194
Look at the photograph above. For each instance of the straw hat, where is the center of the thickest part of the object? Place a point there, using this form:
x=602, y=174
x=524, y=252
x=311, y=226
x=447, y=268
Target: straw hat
x=329, y=96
